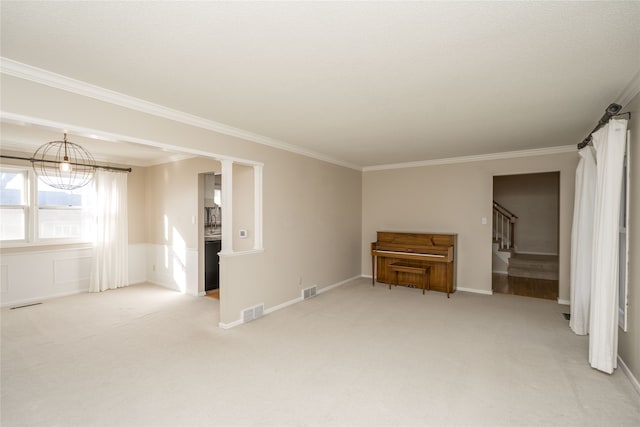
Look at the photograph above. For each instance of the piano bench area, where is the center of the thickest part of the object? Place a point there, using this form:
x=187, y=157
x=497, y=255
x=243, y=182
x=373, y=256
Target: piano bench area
x=423, y=272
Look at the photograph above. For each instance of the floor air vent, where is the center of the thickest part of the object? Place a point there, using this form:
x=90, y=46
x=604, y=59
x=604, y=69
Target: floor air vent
x=309, y=292
x=253, y=313
x=26, y=305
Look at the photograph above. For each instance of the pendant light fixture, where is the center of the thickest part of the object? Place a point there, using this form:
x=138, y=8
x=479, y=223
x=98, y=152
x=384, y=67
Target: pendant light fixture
x=63, y=164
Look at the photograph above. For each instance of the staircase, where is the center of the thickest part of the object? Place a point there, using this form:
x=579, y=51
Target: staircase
x=534, y=266
x=506, y=261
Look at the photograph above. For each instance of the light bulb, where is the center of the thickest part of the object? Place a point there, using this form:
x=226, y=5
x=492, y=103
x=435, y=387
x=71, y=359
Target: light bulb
x=65, y=166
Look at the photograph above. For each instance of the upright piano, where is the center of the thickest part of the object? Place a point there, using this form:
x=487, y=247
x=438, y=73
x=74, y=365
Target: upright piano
x=436, y=251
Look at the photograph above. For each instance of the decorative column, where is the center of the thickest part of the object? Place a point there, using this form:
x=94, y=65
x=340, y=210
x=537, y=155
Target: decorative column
x=227, y=206
x=257, y=207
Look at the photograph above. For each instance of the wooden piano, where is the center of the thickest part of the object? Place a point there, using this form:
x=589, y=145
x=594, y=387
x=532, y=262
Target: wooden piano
x=436, y=251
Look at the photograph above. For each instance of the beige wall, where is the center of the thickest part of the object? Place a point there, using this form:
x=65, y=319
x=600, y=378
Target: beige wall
x=629, y=342
x=243, y=211
x=172, y=200
x=312, y=209
x=136, y=207
x=311, y=233
x=454, y=198
x=533, y=198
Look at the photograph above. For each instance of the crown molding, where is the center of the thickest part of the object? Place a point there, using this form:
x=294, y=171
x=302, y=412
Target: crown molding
x=477, y=158
x=58, y=81
x=87, y=132
x=630, y=91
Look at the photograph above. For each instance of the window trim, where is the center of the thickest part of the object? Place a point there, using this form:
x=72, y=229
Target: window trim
x=31, y=211
x=26, y=189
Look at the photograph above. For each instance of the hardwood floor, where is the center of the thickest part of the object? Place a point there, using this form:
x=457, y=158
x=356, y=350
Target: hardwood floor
x=524, y=286
x=213, y=294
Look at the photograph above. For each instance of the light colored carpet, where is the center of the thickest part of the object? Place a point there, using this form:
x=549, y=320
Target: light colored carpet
x=356, y=355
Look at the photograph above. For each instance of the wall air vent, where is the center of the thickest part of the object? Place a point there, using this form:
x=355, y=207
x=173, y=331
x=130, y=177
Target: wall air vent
x=247, y=315
x=309, y=292
x=258, y=311
x=252, y=313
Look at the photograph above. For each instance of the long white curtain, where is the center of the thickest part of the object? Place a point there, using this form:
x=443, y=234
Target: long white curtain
x=110, y=267
x=609, y=143
x=582, y=241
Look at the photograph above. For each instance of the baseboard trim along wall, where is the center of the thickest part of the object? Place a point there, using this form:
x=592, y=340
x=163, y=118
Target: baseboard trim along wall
x=60, y=272
x=172, y=268
x=335, y=285
x=564, y=301
x=287, y=303
x=475, y=291
x=42, y=299
x=629, y=374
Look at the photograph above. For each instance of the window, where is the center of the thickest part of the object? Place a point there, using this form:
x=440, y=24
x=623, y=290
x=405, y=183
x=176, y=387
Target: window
x=64, y=214
x=33, y=212
x=13, y=204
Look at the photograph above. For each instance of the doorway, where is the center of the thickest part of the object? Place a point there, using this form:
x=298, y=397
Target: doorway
x=526, y=216
x=212, y=222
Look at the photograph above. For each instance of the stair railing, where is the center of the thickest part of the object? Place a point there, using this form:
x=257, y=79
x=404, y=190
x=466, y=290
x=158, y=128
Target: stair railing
x=504, y=222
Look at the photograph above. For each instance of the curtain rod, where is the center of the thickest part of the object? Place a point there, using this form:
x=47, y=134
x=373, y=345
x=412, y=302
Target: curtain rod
x=611, y=111
x=32, y=160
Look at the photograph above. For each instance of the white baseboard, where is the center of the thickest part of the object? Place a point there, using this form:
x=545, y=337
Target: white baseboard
x=564, y=301
x=164, y=285
x=629, y=374
x=230, y=325
x=287, y=303
x=283, y=305
x=504, y=273
x=41, y=299
x=335, y=285
x=475, y=291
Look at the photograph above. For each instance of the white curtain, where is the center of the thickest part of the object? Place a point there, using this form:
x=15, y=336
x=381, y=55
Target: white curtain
x=609, y=143
x=582, y=241
x=110, y=267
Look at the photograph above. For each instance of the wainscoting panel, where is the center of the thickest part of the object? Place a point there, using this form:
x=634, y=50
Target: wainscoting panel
x=72, y=273
x=137, y=263
x=33, y=276
x=4, y=279
x=173, y=268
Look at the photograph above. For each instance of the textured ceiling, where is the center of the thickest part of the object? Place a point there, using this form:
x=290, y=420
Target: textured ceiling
x=26, y=138
x=367, y=83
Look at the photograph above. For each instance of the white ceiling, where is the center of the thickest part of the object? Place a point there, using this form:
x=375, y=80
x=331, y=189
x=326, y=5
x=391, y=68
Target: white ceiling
x=27, y=138
x=366, y=83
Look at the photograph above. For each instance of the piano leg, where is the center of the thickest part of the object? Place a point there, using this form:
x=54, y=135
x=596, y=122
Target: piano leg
x=373, y=270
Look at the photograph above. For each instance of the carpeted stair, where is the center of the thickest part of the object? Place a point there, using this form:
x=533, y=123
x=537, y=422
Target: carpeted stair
x=534, y=266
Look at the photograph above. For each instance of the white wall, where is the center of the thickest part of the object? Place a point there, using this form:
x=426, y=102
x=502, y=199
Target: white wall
x=29, y=275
